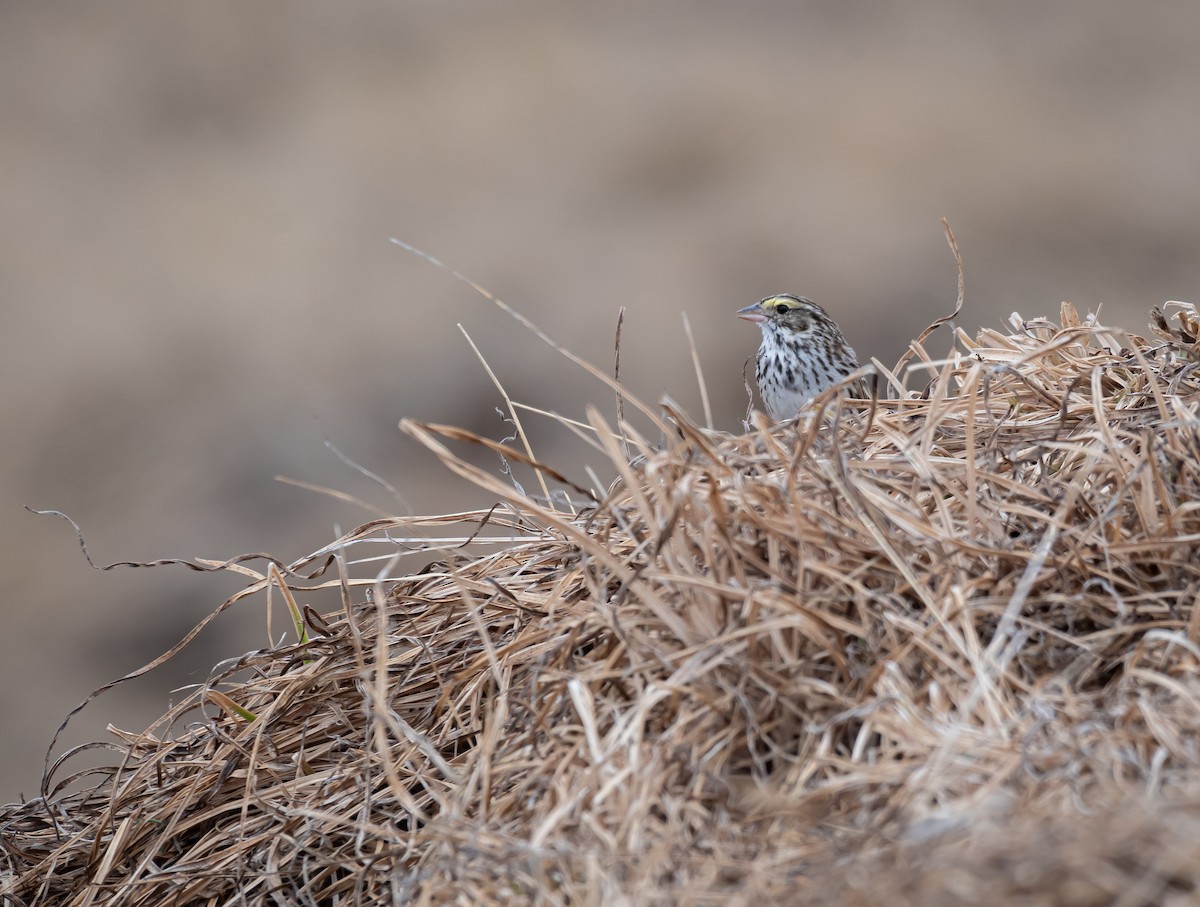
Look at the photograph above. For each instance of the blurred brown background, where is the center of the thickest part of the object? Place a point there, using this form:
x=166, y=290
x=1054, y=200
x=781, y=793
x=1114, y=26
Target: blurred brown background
x=197, y=288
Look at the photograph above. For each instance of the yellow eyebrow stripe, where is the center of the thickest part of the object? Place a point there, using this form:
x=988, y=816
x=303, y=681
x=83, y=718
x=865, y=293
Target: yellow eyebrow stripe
x=779, y=300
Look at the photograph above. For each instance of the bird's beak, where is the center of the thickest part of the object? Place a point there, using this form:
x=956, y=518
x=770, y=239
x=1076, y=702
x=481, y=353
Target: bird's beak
x=753, y=313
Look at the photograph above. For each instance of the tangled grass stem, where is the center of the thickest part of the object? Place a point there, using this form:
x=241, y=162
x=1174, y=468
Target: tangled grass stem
x=947, y=655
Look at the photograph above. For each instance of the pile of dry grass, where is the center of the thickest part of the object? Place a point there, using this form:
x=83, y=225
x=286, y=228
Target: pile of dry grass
x=939, y=650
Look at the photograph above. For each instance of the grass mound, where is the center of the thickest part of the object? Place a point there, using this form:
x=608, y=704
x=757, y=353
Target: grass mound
x=942, y=648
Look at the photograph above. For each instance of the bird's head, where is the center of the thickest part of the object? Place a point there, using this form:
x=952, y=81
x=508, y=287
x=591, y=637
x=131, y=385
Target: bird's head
x=794, y=313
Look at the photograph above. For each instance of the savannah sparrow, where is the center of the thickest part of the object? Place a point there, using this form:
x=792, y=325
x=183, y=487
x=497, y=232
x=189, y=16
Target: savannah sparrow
x=802, y=353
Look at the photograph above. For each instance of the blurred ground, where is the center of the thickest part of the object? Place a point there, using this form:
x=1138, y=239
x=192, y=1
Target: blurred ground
x=197, y=288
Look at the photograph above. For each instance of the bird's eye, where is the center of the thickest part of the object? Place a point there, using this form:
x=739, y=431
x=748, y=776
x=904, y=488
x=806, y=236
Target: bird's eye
x=781, y=309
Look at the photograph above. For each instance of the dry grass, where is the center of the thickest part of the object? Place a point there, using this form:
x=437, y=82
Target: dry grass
x=939, y=650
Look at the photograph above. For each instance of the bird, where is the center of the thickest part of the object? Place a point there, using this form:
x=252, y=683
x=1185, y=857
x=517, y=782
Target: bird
x=802, y=353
